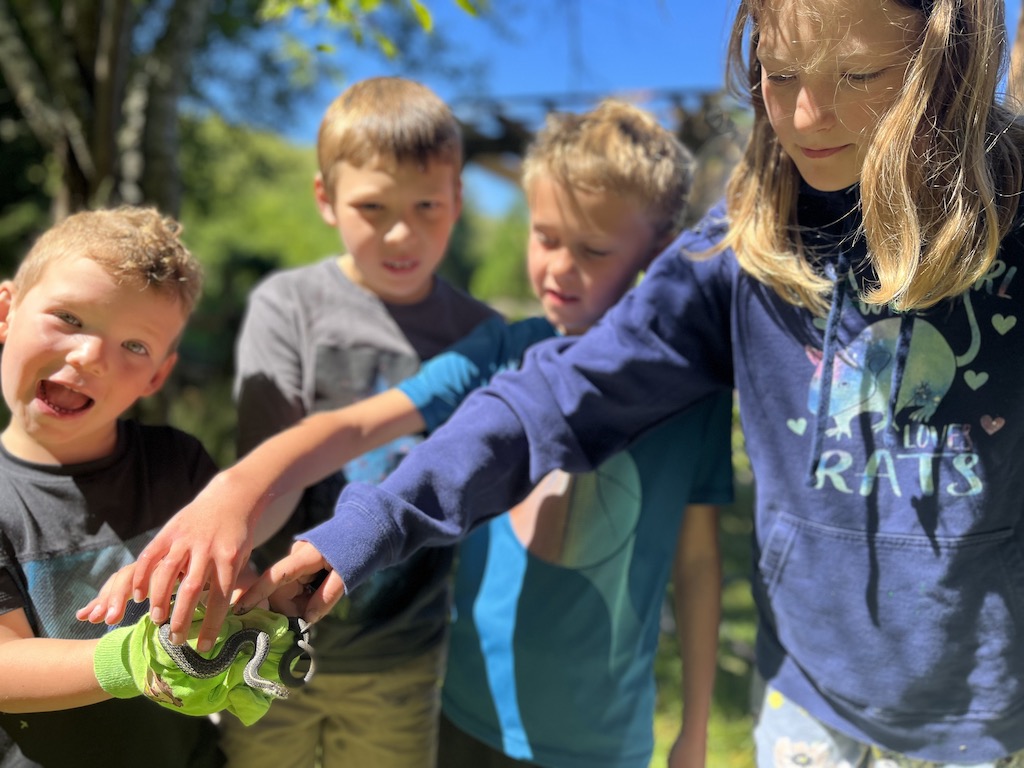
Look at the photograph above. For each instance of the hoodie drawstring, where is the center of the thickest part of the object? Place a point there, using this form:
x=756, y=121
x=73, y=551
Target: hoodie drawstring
x=899, y=366
x=828, y=355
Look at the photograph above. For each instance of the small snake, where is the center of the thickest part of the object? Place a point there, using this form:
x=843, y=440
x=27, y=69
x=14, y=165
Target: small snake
x=192, y=664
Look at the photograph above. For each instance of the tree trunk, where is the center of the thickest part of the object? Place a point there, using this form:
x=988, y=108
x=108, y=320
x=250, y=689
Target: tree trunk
x=168, y=67
x=68, y=66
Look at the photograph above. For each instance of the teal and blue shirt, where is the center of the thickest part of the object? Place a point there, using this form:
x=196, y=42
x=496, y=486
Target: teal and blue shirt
x=552, y=646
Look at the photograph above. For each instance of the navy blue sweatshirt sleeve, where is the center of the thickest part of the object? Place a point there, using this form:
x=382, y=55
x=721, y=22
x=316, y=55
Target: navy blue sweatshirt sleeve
x=571, y=405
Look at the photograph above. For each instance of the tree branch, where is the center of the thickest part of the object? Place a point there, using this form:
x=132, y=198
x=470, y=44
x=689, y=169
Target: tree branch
x=59, y=68
x=27, y=84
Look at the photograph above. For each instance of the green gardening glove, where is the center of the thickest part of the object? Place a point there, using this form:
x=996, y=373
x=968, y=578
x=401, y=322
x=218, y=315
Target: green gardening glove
x=251, y=664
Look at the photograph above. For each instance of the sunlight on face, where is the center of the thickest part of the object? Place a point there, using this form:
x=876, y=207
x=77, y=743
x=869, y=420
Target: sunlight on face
x=394, y=220
x=80, y=347
x=829, y=71
x=584, y=252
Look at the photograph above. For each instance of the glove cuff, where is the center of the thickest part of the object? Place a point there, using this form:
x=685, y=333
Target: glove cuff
x=111, y=663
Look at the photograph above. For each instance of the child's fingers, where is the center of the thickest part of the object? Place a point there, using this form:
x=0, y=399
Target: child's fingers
x=191, y=590
x=110, y=602
x=266, y=585
x=115, y=594
x=325, y=598
x=218, y=601
x=303, y=561
x=150, y=557
x=290, y=600
x=92, y=610
x=161, y=589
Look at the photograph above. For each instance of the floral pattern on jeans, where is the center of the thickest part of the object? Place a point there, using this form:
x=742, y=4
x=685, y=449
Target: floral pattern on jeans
x=801, y=754
x=883, y=758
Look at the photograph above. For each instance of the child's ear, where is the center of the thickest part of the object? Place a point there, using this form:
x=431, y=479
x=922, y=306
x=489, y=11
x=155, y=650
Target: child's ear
x=6, y=308
x=161, y=375
x=323, y=202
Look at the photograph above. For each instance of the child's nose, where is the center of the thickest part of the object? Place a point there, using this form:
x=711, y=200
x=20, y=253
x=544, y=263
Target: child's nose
x=815, y=108
x=88, y=355
x=560, y=262
x=398, y=233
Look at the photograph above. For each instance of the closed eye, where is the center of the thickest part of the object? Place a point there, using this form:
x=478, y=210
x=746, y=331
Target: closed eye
x=863, y=77
x=67, y=317
x=544, y=239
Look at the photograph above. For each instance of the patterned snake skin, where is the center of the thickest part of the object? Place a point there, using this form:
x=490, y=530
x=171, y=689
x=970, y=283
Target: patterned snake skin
x=254, y=641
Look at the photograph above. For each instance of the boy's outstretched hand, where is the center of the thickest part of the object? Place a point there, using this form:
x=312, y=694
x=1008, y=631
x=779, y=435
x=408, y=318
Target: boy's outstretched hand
x=198, y=554
x=299, y=584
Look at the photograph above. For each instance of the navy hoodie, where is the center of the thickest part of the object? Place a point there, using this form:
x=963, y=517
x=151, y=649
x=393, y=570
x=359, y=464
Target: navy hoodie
x=887, y=456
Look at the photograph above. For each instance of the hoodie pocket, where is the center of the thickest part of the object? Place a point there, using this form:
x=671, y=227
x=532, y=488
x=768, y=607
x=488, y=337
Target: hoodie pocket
x=923, y=626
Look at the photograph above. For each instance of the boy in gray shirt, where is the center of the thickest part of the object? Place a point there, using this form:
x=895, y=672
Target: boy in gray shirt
x=330, y=334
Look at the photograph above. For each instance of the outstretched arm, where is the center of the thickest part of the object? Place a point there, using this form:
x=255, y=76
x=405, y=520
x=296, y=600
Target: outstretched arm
x=256, y=496
x=697, y=582
x=571, y=405
x=43, y=674
x=206, y=544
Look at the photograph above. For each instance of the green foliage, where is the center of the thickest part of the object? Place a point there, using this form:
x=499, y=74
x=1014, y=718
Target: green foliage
x=249, y=194
x=362, y=19
x=498, y=254
x=423, y=15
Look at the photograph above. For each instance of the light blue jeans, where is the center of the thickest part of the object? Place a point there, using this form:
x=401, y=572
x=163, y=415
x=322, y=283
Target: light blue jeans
x=787, y=737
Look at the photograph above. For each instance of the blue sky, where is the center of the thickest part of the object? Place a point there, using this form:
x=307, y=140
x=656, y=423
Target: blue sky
x=606, y=46
x=592, y=47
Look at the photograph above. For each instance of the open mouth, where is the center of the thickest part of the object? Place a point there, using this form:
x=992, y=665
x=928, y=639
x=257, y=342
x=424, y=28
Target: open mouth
x=62, y=399
x=400, y=266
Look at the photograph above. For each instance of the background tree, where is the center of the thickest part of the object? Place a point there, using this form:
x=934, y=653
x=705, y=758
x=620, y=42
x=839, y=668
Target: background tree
x=100, y=83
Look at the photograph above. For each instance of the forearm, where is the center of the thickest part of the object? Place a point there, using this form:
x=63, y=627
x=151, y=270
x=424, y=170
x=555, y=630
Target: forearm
x=269, y=480
x=697, y=587
x=474, y=467
x=571, y=405
x=44, y=674
x=698, y=651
